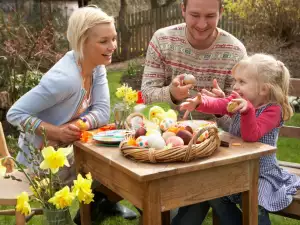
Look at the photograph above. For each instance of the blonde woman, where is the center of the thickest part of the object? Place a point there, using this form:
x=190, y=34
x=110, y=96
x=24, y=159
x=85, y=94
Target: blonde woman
x=75, y=88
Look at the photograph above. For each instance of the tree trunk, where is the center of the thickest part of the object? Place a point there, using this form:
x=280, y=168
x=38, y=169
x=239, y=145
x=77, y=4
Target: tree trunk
x=154, y=4
x=124, y=31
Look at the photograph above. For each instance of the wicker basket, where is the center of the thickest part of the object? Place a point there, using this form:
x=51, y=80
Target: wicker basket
x=184, y=153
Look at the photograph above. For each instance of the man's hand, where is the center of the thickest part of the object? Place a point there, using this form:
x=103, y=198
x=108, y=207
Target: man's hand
x=178, y=90
x=215, y=92
x=190, y=105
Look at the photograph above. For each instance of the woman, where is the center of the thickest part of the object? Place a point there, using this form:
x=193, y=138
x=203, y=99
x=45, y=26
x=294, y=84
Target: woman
x=75, y=88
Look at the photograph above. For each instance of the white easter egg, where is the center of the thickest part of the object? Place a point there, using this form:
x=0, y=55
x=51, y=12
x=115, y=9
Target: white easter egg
x=156, y=141
x=142, y=141
x=136, y=122
x=167, y=123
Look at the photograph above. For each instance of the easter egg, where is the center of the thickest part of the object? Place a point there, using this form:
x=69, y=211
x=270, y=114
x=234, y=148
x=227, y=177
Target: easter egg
x=142, y=141
x=166, y=124
x=168, y=134
x=140, y=132
x=175, y=141
x=231, y=106
x=189, y=79
x=136, y=122
x=185, y=135
x=203, y=136
x=189, y=129
x=156, y=141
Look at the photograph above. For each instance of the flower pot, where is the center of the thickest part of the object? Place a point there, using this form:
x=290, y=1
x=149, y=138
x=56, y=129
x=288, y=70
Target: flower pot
x=57, y=217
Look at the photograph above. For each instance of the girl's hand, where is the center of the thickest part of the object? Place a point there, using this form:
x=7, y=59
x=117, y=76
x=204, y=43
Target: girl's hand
x=190, y=104
x=242, y=103
x=69, y=133
x=9, y=164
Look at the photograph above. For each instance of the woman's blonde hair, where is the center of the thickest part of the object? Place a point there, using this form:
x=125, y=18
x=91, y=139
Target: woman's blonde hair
x=80, y=22
x=273, y=73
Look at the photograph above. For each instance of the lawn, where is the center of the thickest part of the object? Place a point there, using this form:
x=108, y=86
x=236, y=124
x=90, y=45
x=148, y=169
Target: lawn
x=288, y=150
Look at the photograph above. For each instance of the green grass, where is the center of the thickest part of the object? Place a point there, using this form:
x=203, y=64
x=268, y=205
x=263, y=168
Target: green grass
x=288, y=150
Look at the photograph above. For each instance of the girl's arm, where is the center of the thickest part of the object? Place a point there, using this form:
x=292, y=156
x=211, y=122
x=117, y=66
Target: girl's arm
x=253, y=128
x=100, y=109
x=214, y=105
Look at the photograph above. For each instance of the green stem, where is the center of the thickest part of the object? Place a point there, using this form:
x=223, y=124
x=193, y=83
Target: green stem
x=51, y=185
x=27, y=176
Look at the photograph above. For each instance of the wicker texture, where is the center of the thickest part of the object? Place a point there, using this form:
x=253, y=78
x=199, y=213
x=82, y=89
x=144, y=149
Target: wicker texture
x=184, y=153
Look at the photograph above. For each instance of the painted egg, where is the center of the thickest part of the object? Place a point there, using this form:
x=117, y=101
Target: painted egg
x=166, y=124
x=185, y=135
x=156, y=141
x=168, y=134
x=203, y=136
x=189, y=79
x=175, y=141
x=140, y=132
x=142, y=141
x=136, y=122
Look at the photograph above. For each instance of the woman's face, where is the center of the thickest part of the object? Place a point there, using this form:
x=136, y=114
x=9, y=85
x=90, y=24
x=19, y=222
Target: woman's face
x=100, y=44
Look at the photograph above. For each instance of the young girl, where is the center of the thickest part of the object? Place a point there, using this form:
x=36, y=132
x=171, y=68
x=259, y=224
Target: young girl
x=258, y=107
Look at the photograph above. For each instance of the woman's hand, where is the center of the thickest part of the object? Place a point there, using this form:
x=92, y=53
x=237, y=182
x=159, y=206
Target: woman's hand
x=216, y=91
x=69, y=133
x=190, y=104
x=178, y=90
x=9, y=164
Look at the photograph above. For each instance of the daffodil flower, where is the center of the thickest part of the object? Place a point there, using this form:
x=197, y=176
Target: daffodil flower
x=82, y=189
x=53, y=160
x=22, y=204
x=62, y=198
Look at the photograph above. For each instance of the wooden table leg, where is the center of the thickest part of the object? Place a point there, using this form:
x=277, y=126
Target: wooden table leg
x=20, y=218
x=151, y=204
x=250, y=198
x=85, y=209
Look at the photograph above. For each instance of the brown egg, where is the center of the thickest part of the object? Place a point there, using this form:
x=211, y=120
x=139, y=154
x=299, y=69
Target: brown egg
x=189, y=79
x=189, y=129
x=140, y=132
x=185, y=135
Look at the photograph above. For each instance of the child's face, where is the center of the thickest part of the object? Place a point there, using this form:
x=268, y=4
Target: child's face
x=246, y=85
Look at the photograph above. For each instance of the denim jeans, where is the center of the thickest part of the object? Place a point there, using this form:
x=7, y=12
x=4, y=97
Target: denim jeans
x=227, y=212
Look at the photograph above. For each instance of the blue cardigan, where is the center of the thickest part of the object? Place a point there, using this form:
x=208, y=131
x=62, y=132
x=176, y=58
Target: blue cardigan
x=56, y=100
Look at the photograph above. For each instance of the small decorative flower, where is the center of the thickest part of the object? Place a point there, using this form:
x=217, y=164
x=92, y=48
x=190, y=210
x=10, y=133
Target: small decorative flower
x=22, y=204
x=53, y=160
x=62, y=198
x=128, y=95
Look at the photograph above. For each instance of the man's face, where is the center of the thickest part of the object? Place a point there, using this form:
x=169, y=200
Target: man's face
x=201, y=17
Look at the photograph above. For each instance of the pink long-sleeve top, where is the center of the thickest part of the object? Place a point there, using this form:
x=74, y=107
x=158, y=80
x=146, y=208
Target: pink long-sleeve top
x=252, y=127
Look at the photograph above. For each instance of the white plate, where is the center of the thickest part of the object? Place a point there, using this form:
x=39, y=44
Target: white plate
x=110, y=136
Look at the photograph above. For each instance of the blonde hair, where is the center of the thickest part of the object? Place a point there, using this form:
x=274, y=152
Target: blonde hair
x=80, y=22
x=267, y=70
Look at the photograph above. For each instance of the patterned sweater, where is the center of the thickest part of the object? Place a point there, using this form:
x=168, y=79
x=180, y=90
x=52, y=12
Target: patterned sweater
x=170, y=54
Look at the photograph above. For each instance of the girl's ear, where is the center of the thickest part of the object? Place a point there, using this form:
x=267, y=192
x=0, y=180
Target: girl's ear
x=264, y=90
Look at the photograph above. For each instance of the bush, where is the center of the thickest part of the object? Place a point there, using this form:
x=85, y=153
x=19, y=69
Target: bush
x=273, y=18
x=133, y=74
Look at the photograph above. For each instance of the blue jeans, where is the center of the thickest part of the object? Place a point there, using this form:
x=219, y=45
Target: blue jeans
x=227, y=212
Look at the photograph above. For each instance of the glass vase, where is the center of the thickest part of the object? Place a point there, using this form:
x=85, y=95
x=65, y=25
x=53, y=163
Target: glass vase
x=120, y=112
x=57, y=217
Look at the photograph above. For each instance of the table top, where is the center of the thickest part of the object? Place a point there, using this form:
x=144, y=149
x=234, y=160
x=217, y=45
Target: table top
x=147, y=171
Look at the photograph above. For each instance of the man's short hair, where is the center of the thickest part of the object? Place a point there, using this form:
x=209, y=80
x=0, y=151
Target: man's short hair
x=186, y=1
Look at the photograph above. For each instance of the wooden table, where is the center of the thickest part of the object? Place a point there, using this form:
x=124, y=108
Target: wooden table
x=157, y=188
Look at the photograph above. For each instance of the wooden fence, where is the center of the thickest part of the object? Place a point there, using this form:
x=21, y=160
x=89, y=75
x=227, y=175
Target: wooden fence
x=143, y=24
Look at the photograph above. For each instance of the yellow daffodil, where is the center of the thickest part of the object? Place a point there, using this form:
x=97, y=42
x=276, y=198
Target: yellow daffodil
x=22, y=204
x=62, y=198
x=82, y=189
x=55, y=159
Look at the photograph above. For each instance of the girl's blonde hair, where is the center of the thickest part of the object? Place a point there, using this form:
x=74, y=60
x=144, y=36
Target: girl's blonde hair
x=80, y=22
x=273, y=73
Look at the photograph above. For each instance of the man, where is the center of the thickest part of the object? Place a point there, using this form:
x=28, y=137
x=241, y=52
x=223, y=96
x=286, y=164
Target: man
x=195, y=47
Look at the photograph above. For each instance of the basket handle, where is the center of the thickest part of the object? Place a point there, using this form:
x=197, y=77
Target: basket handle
x=195, y=137
x=128, y=119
